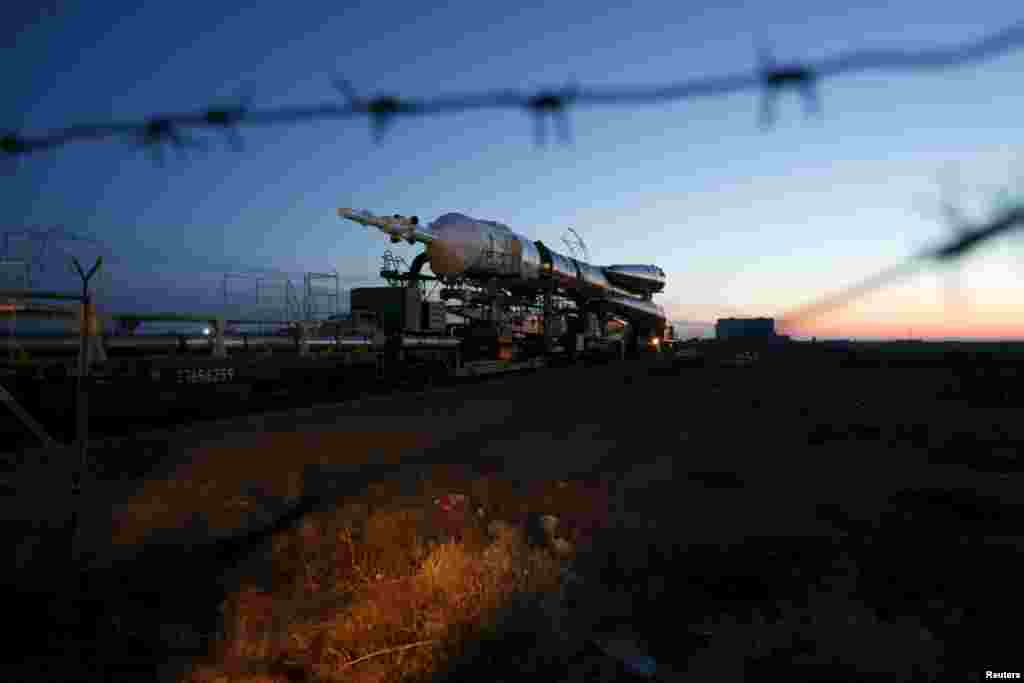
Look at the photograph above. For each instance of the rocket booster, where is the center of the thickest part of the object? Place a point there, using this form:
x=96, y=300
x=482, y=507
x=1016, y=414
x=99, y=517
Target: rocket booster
x=460, y=246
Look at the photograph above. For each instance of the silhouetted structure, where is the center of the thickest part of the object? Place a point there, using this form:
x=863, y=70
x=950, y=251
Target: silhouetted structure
x=745, y=328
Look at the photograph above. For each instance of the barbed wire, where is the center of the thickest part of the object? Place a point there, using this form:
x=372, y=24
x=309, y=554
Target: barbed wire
x=770, y=78
x=969, y=238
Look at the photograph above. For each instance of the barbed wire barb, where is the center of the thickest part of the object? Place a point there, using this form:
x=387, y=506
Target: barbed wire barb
x=10, y=153
x=381, y=109
x=768, y=79
x=776, y=78
x=228, y=119
x=552, y=105
x=164, y=131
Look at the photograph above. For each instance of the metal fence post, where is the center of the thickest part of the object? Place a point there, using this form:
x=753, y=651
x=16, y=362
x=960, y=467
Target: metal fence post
x=81, y=399
x=218, y=328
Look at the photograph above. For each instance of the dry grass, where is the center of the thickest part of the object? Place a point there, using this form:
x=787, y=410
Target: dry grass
x=396, y=588
x=410, y=590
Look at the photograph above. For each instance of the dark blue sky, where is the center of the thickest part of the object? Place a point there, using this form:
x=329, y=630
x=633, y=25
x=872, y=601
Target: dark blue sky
x=743, y=222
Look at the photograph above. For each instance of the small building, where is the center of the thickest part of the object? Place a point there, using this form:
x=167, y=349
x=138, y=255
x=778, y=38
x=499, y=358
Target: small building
x=745, y=328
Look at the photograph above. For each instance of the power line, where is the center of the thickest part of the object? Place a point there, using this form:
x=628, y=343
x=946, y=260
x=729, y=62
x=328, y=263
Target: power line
x=770, y=78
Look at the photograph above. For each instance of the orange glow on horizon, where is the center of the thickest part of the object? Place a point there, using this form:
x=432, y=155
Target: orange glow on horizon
x=860, y=329
x=976, y=317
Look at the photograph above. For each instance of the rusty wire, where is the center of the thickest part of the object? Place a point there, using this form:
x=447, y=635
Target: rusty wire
x=770, y=78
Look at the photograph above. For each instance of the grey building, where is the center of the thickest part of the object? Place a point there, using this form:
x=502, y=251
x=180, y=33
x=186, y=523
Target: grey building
x=745, y=328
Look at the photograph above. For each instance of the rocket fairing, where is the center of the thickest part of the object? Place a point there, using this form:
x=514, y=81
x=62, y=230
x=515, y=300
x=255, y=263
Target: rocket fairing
x=460, y=246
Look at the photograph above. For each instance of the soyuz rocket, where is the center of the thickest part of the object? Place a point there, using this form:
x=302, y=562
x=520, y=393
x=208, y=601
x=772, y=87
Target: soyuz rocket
x=459, y=246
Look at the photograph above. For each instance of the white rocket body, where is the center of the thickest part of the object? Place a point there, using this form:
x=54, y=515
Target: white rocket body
x=459, y=246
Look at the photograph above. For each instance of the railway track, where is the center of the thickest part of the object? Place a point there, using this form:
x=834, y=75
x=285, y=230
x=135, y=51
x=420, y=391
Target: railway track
x=225, y=401
x=112, y=426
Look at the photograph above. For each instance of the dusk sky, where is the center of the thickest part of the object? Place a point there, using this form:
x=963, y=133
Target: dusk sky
x=744, y=222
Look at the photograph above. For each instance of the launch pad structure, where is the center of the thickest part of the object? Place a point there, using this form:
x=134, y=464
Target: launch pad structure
x=519, y=298
x=503, y=303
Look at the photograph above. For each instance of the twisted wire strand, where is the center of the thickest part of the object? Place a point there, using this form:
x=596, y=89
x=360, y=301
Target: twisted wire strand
x=770, y=78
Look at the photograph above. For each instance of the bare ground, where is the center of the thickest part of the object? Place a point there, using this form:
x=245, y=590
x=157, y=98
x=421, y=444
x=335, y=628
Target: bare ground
x=825, y=525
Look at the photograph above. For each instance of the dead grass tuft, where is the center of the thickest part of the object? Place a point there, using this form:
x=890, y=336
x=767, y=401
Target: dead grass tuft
x=392, y=539
x=406, y=591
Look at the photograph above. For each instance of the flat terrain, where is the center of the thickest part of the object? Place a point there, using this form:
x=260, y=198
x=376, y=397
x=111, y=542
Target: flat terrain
x=829, y=521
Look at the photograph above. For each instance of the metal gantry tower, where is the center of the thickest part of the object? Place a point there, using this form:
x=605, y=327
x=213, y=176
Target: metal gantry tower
x=37, y=244
x=321, y=302
x=266, y=297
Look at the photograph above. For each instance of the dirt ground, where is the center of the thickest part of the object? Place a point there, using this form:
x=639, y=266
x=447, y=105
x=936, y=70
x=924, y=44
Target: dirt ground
x=827, y=524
